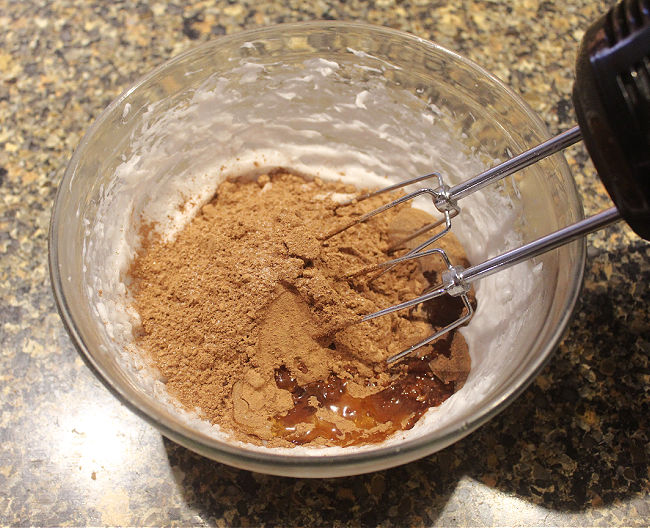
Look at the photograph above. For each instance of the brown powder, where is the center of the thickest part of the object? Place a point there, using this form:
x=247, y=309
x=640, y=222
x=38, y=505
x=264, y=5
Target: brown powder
x=253, y=322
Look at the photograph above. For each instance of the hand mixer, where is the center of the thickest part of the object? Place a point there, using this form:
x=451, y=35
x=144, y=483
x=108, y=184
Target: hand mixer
x=611, y=96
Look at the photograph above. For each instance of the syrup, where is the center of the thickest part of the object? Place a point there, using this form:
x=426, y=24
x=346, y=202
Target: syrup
x=397, y=406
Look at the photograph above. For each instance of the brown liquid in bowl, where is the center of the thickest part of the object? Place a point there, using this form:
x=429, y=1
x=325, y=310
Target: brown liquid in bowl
x=399, y=405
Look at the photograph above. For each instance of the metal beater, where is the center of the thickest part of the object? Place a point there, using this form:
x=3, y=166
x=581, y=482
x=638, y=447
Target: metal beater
x=611, y=96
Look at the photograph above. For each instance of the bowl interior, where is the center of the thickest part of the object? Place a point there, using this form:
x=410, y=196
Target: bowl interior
x=339, y=101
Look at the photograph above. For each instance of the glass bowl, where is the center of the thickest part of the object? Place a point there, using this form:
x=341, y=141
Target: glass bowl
x=335, y=100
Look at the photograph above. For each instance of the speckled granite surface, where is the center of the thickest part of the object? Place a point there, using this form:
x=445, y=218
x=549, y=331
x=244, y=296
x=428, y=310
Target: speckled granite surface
x=572, y=450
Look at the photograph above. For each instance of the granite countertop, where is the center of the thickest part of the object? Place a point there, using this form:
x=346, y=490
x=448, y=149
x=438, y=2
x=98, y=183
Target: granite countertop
x=571, y=450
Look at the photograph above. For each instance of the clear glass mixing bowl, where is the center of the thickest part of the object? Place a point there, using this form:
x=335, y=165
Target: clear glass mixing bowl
x=321, y=98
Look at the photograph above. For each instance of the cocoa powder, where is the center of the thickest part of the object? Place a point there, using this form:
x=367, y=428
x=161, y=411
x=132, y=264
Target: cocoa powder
x=247, y=315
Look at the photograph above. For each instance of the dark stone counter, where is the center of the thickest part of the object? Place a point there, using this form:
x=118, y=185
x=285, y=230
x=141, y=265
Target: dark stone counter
x=571, y=450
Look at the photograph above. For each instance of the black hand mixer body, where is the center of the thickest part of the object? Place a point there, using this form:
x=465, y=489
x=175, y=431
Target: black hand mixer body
x=611, y=97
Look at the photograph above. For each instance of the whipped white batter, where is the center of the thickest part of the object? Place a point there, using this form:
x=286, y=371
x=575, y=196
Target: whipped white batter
x=314, y=121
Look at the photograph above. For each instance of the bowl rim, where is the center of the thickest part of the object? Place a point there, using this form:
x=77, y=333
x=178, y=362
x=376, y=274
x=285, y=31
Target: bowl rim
x=327, y=465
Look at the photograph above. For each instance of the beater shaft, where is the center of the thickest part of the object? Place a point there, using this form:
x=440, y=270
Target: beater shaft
x=533, y=155
x=510, y=166
x=541, y=245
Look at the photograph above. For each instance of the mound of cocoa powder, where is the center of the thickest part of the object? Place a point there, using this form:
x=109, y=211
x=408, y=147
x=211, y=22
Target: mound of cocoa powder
x=252, y=319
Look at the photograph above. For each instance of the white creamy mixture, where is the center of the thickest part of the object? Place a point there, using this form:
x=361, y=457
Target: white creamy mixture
x=311, y=122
